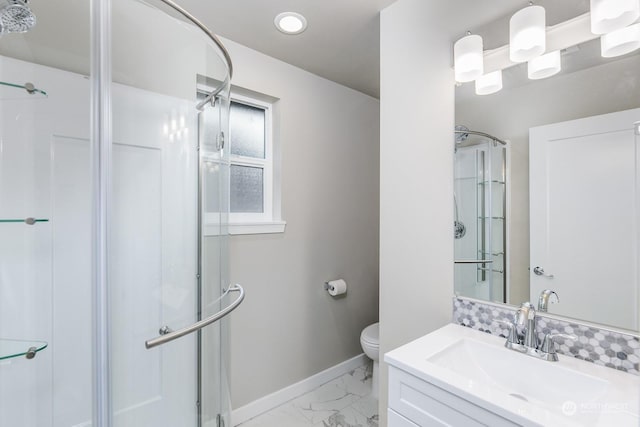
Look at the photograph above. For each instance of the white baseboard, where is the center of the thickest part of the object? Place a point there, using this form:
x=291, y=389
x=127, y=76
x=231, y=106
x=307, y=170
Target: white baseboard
x=280, y=397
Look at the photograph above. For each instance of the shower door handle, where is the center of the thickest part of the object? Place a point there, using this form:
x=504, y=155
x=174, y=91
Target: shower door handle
x=168, y=335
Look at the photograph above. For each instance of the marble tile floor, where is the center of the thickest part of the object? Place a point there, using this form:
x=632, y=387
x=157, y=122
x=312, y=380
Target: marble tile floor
x=343, y=402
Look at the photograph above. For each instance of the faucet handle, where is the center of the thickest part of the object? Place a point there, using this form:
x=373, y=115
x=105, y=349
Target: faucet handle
x=548, y=345
x=513, y=334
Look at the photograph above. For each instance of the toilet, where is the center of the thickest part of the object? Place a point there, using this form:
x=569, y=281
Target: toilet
x=371, y=347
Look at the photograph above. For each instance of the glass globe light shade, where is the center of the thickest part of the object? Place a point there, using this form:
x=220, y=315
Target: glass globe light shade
x=527, y=34
x=611, y=15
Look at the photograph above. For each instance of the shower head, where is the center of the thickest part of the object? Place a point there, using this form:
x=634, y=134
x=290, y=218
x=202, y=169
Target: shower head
x=16, y=17
x=460, y=133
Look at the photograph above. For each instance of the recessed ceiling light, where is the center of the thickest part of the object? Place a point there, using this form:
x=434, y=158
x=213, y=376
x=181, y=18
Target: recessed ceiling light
x=290, y=23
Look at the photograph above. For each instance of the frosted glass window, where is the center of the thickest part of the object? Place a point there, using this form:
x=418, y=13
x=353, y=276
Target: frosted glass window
x=247, y=130
x=247, y=189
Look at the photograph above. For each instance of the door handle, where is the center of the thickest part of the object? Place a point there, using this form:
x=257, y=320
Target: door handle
x=166, y=334
x=539, y=271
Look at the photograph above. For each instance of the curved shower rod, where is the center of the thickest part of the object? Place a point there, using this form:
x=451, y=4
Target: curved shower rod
x=486, y=135
x=213, y=38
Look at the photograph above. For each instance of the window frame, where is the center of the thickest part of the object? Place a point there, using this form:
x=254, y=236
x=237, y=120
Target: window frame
x=269, y=221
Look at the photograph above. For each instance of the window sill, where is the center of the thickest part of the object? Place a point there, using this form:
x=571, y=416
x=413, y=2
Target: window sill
x=257, y=227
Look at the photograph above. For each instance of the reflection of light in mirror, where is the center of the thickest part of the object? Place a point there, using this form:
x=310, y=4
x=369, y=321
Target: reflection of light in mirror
x=165, y=129
x=174, y=124
x=620, y=42
x=489, y=83
x=544, y=66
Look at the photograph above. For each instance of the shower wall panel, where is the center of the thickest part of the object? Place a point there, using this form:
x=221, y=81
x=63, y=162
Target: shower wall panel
x=45, y=269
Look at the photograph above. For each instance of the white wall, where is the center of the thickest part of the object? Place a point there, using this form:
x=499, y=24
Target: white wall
x=289, y=328
x=416, y=178
x=416, y=168
x=509, y=114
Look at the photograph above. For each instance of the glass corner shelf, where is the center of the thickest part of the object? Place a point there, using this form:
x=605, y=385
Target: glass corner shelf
x=18, y=348
x=28, y=221
x=20, y=91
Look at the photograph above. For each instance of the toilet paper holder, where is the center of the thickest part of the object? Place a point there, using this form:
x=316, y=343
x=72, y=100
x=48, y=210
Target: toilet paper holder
x=336, y=287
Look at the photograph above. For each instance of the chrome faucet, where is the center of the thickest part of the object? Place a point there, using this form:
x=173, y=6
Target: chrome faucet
x=522, y=321
x=531, y=335
x=523, y=336
x=543, y=300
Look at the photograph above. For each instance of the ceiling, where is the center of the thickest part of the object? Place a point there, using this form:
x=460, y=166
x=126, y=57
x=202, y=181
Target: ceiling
x=341, y=43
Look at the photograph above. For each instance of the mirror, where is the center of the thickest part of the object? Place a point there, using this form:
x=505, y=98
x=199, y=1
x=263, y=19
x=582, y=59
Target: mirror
x=558, y=207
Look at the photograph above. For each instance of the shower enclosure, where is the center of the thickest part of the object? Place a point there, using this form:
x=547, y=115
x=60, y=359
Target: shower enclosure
x=480, y=192
x=114, y=170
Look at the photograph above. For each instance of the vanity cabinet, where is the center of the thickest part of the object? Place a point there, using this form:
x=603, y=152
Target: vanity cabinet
x=457, y=376
x=415, y=402
x=396, y=420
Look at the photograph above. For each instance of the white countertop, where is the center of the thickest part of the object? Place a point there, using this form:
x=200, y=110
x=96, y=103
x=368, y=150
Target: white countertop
x=614, y=402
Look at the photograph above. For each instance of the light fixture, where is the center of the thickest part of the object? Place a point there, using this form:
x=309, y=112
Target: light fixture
x=544, y=66
x=468, y=58
x=489, y=83
x=611, y=15
x=527, y=35
x=290, y=23
x=620, y=42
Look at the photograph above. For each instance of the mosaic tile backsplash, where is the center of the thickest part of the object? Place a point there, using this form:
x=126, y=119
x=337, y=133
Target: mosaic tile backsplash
x=600, y=346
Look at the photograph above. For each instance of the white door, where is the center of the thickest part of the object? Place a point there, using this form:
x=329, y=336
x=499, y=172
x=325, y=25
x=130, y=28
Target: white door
x=584, y=195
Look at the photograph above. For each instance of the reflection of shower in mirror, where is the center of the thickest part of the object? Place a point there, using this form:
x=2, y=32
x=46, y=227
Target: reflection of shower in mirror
x=16, y=17
x=459, y=230
x=480, y=214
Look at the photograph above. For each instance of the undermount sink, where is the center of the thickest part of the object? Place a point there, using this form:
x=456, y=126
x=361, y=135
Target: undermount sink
x=478, y=368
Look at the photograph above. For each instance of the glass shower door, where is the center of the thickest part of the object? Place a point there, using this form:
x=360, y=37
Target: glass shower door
x=168, y=250
x=167, y=243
